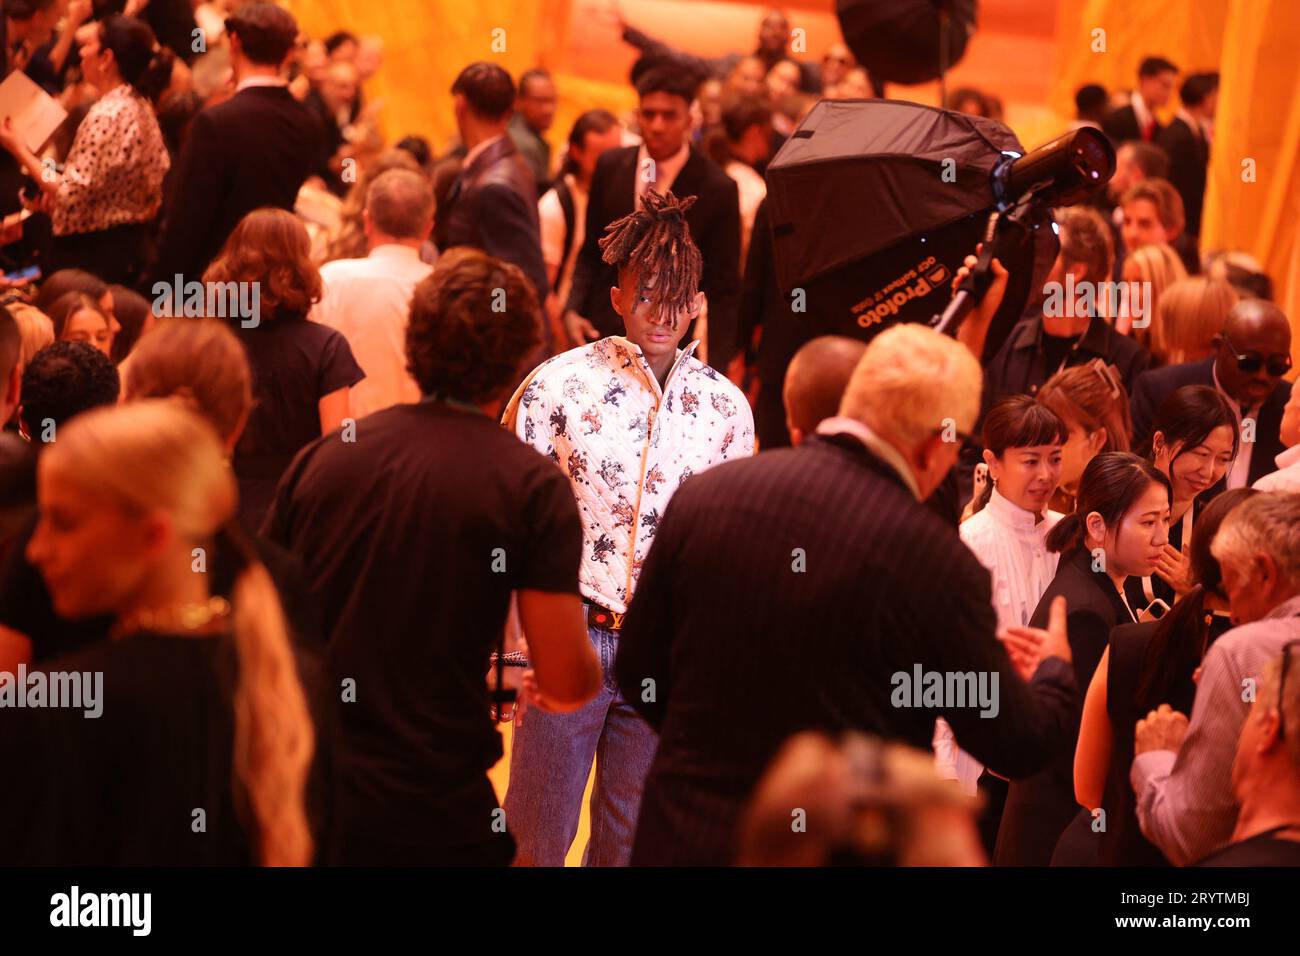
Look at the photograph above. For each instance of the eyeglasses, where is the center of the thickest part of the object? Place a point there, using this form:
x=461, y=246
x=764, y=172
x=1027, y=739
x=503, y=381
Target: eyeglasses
x=1251, y=362
x=1281, y=687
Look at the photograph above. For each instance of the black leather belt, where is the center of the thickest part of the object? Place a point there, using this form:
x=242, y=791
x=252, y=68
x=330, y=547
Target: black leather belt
x=598, y=616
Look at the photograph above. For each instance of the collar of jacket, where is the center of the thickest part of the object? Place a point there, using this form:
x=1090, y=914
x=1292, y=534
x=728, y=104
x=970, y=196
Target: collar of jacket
x=501, y=146
x=876, y=446
x=622, y=352
x=1094, y=340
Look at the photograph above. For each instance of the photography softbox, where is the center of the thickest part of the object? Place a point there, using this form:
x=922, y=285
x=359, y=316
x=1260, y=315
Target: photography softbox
x=875, y=203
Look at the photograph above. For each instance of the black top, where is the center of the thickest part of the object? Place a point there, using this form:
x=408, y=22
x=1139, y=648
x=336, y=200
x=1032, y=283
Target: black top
x=1122, y=843
x=766, y=649
x=121, y=789
x=1039, y=809
x=26, y=605
x=1153, y=387
x=1264, y=849
x=714, y=222
x=412, y=539
x=1189, y=159
x=253, y=150
x=295, y=363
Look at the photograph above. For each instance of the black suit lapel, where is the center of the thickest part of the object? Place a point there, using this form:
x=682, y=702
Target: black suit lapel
x=618, y=201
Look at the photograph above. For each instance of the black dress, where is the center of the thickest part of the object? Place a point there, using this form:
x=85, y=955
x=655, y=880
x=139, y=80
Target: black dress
x=126, y=788
x=295, y=363
x=1122, y=843
x=1039, y=808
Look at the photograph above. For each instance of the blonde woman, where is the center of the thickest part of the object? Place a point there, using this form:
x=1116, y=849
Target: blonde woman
x=1191, y=312
x=35, y=328
x=200, y=714
x=1157, y=265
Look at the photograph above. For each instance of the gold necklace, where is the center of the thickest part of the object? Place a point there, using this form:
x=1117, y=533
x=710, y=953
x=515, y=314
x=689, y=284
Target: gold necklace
x=205, y=617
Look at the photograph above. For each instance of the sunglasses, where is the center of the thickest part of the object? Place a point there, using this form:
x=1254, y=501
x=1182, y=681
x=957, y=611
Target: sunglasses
x=1251, y=362
x=1281, y=687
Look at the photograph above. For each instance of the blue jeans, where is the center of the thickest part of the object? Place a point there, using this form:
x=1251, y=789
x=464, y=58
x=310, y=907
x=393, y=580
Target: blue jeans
x=550, y=761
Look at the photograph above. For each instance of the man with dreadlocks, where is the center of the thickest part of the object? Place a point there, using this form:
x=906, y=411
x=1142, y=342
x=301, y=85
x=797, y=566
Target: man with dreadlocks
x=627, y=419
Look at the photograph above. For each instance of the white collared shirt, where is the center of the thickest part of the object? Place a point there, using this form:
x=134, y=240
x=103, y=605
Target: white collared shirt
x=1141, y=111
x=1287, y=477
x=661, y=173
x=1239, y=470
x=474, y=153
x=1012, y=543
x=368, y=301
x=843, y=425
x=259, y=80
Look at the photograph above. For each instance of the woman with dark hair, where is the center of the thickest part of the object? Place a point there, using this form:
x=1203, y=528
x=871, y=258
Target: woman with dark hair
x=302, y=370
x=1148, y=664
x=111, y=185
x=1117, y=530
x=134, y=318
x=1022, y=449
x=1194, y=440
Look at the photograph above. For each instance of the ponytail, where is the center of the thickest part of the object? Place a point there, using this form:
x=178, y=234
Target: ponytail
x=143, y=63
x=274, y=739
x=1066, y=534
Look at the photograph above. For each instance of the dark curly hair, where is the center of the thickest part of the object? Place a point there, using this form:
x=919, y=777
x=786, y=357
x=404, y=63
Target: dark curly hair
x=473, y=323
x=62, y=381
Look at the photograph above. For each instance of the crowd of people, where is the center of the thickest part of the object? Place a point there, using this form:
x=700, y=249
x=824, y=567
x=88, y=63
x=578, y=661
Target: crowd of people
x=324, y=458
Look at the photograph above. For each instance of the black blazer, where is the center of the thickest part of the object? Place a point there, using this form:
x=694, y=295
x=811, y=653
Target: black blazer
x=714, y=221
x=492, y=206
x=253, y=150
x=830, y=592
x=1155, y=386
x=1189, y=157
x=1122, y=125
x=1039, y=808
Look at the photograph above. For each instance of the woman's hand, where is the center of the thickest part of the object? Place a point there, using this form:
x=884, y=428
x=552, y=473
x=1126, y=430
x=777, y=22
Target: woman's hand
x=10, y=138
x=1175, y=569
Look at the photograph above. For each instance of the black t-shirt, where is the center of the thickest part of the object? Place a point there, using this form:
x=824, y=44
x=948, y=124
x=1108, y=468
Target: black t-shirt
x=1264, y=849
x=295, y=363
x=26, y=605
x=1055, y=349
x=122, y=788
x=412, y=539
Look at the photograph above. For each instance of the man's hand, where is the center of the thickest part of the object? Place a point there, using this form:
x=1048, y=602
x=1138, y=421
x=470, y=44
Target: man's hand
x=1161, y=729
x=579, y=330
x=1030, y=646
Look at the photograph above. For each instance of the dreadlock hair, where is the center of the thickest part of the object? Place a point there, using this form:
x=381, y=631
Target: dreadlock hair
x=655, y=240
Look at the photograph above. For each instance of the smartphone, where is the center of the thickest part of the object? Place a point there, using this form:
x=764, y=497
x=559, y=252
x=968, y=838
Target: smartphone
x=1154, y=611
x=24, y=275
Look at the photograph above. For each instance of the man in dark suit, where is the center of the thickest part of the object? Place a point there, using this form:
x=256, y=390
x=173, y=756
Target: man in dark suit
x=843, y=594
x=1137, y=120
x=492, y=204
x=1254, y=352
x=253, y=150
x=666, y=160
x=1186, y=140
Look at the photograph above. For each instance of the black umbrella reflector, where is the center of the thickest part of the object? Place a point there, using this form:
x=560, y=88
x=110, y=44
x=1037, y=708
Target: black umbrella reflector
x=875, y=203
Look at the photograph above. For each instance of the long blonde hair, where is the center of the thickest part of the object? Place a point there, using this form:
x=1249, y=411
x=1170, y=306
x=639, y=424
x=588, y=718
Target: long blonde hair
x=157, y=455
x=1159, y=265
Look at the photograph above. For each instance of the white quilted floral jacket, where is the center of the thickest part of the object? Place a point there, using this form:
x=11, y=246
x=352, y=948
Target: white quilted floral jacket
x=625, y=445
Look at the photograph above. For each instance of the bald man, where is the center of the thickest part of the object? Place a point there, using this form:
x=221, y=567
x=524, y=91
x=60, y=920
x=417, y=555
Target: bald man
x=815, y=382
x=1253, y=353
